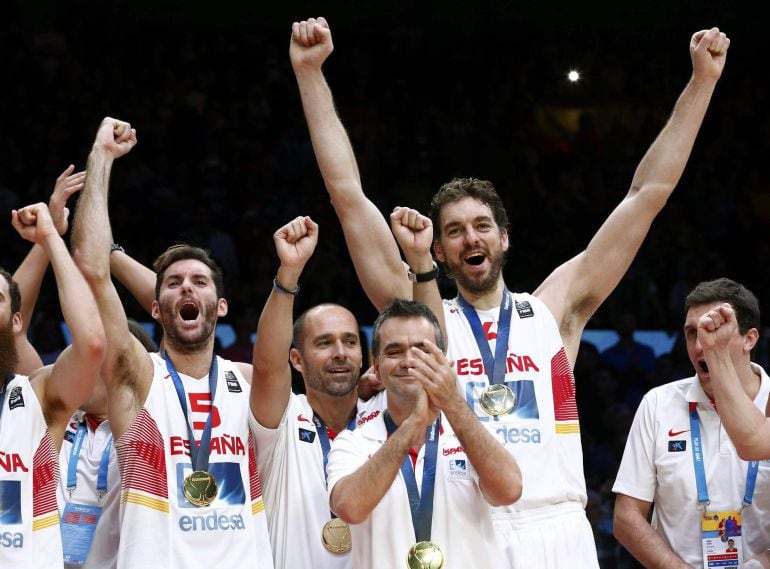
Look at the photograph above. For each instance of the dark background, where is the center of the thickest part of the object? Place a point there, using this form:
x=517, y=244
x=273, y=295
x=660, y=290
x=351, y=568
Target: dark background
x=427, y=92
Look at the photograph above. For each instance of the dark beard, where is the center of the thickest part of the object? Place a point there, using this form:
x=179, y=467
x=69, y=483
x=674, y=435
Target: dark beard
x=9, y=357
x=488, y=283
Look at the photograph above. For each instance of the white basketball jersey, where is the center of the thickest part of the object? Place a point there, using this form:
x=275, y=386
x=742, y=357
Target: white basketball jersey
x=29, y=473
x=159, y=527
x=542, y=432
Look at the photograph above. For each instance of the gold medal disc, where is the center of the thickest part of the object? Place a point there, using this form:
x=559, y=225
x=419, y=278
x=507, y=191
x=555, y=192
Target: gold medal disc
x=335, y=536
x=425, y=555
x=200, y=488
x=497, y=399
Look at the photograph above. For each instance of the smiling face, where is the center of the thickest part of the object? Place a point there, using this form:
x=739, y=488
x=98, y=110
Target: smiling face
x=187, y=306
x=471, y=244
x=396, y=336
x=328, y=354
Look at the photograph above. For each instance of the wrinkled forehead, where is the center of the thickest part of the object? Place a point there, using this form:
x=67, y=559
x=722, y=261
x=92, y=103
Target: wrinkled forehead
x=463, y=210
x=187, y=268
x=329, y=320
x=406, y=332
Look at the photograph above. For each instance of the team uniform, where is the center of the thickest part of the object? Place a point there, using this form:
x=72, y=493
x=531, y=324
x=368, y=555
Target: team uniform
x=461, y=523
x=29, y=471
x=91, y=512
x=657, y=467
x=290, y=462
x=547, y=527
x=159, y=527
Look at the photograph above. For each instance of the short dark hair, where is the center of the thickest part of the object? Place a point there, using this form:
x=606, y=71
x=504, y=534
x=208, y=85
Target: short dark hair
x=459, y=188
x=13, y=291
x=743, y=301
x=401, y=308
x=298, y=331
x=182, y=252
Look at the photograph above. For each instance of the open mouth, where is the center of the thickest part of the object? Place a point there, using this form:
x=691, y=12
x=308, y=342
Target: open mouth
x=475, y=259
x=338, y=370
x=189, y=311
x=703, y=366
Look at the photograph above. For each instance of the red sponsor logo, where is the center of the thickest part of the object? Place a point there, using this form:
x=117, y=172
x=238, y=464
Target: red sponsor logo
x=369, y=417
x=672, y=433
x=301, y=418
x=12, y=462
x=475, y=366
x=453, y=450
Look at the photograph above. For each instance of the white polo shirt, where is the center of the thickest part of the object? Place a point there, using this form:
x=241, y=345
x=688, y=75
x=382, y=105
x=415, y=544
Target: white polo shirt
x=657, y=467
x=462, y=522
x=104, y=549
x=290, y=463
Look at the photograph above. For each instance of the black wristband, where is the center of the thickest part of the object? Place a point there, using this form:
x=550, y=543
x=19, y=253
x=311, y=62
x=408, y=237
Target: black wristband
x=280, y=288
x=115, y=247
x=423, y=277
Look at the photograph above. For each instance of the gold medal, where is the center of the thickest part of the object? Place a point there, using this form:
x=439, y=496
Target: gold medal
x=200, y=488
x=497, y=399
x=335, y=536
x=425, y=555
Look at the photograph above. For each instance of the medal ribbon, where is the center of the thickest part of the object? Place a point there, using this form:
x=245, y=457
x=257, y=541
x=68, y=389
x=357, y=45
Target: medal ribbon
x=323, y=438
x=700, y=470
x=7, y=380
x=494, y=365
x=104, y=463
x=420, y=503
x=199, y=455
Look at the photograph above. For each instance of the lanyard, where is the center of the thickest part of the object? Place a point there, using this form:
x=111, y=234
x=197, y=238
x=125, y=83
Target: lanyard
x=323, y=437
x=6, y=381
x=494, y=365
x=420, y=503
x=199, y=455
x=77, y=446
x=700, y=470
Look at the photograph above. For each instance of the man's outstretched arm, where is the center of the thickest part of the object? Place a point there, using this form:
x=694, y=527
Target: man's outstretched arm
x=576, y=289
x=374, y=251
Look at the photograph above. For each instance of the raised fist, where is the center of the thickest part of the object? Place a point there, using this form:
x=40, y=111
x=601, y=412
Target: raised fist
x=311, y=43
x=116, y=137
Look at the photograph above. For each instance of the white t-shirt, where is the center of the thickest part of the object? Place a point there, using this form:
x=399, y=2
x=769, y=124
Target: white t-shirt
x=543, y=432
x=290, y=462
x=657, y=467
x=29, y=474
x=104, y=549
x=462, y=523
x=159, y=528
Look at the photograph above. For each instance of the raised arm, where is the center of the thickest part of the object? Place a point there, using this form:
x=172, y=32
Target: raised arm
x=747, y=427
x=499, y=474
x=631, y=528
x=414, y=234
x=371, y=244
x=575, y=290
x=127, y=370
x=31, y=272
x=271, y=378
x=69, y=382
x=138, y=279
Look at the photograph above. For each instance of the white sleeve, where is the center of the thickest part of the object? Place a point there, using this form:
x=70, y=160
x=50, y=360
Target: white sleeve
x=637, y=475
x=348, y=453
x=271, y=444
